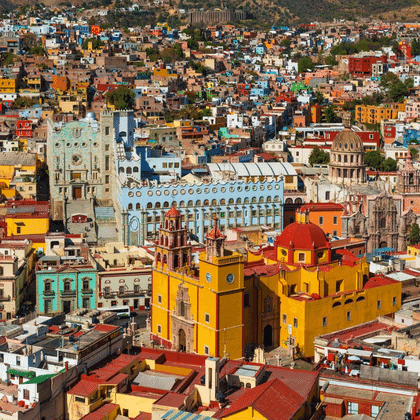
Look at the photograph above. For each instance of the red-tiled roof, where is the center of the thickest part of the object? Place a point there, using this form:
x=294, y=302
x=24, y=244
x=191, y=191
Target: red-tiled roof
x=105, y=327
x=84, y=388
x=101, y=413
x=171, y=399
x=378, y=281
x=172, y=212
x=262, y=397
x=321, y=207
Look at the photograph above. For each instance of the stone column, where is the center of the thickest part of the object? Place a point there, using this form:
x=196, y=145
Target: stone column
x=201, y=224
x=273, y=215
x=265, y=215
x=243, y=214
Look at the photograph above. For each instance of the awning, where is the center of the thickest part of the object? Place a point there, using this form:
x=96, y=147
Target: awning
x=21, y=373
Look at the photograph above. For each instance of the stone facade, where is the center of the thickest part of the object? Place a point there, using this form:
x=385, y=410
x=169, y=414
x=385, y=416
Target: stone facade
x=79, y=155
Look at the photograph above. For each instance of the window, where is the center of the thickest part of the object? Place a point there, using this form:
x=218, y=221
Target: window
x=324, y=321
x=327, y=195
x=136, y=288
x=159, y=298
x=106, y=179
x=284, y=319
x=67, y=286
x=107, y=131
x=295, y=322
x=207, y=317
x=306, y=287
x=247, y=300
x=17, y=360
x=121, y=290
x=348, y=316
x=26, y=394
x=86, y=303
x=107, y=163
x=335, y=233
x=206, y=350
x=374, y=411
x=18, y=229
x=394, y=301
x=159, y=329
x=352, y=408
x=47, y=287
x=79, y=399
x=301, y=257
x=378, y=305
x=338, y=286
x=335, y=220
x=321, y=220
x=86, y=284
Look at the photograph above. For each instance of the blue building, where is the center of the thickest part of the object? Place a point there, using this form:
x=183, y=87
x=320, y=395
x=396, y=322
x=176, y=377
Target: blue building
x=65, y=284
x=147, y=184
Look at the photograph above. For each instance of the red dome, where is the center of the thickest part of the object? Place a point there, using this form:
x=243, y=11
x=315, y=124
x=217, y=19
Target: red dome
x=302, y=236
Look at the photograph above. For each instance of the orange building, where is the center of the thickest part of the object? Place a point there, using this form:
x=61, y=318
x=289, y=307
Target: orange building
x=61, y=83
x=325, y=215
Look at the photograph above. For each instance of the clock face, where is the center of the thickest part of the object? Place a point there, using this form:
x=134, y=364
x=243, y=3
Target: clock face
x=230, y=278
x=208, y=277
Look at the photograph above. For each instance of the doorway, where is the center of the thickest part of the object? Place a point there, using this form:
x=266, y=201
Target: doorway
x=77, y=192
x=182, y=341
x=136, y=304
x=66, y=306
x=383, y=244
x=268, y=336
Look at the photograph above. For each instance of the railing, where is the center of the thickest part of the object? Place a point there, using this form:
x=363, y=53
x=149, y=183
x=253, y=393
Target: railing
x=4, y=298
x=87, y=291
x=49, y=293
x=68, y=293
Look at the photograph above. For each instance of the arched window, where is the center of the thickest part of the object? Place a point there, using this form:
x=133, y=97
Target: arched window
x=182, y=204
x=246, y=201
x=128, y=171
x=254, y=200
x=135, y=169
x=348, y=301
x=336, y=304
x=360, y=298
x=165, y=204
x=214, y=202
x=345, y=158
x=239, y=201
x=351, y=159
x=206, y=202
x=339, y=158
x=149, y=205
x=138, y=206
x=231, y=201
x=298, y=201
x=121, y=170
x=222, y=202
x=269, y=199
x=130, y=206
x=276, y=198
x=157, y=205
x=288, y=200
x=197, y=203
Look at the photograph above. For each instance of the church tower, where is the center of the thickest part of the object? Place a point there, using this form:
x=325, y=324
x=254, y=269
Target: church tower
x=173, y=251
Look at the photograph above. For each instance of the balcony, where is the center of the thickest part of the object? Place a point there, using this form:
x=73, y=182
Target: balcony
x=87, y=291
x=68, y=293
x=4, y=298
x=49, y=293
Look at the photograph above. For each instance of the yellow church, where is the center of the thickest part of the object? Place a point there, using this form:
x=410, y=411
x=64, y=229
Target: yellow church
x=281, y=295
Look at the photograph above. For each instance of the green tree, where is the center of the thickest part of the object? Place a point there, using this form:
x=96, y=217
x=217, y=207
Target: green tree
x=389, y=165
x=330, y=115
x=318, y=156
x=121, y=98
x=96, y=43
x=373, y=159
x=305, y=64
x=415, y=47
x=414, y=152
x=414, y=234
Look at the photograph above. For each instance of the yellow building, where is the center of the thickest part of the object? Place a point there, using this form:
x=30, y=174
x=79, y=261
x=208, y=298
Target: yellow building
x=371, y=114
x=8, y=85
x=197, y=310
x=285, y=294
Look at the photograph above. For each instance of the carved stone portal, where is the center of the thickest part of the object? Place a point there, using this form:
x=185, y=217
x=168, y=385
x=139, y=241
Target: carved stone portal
x=182, y=322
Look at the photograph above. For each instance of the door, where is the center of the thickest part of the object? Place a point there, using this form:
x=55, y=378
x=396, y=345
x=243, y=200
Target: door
x=77, y=192
x=268, y=336
x=66, y=306
x=136, y=304
x=147, y=303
